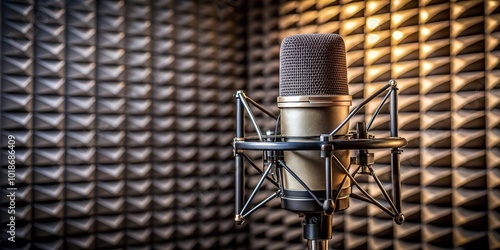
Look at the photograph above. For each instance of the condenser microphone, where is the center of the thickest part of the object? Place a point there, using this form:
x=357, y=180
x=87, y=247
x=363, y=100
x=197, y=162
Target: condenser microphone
x=313, y=100
x=310, y=146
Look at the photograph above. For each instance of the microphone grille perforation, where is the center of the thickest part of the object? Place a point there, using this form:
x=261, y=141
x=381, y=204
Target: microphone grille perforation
x=313, y=64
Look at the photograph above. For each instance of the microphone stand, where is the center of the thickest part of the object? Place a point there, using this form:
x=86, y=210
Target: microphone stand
x=317, y=224
x=317, y=244
x=317, y=229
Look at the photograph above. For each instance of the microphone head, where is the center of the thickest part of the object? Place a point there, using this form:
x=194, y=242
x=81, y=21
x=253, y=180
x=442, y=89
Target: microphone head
x=313, y=64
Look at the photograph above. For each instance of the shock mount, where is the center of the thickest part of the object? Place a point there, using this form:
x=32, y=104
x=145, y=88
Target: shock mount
x=317, y=224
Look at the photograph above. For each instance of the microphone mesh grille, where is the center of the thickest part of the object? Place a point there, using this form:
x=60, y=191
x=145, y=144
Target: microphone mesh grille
x=313, y=64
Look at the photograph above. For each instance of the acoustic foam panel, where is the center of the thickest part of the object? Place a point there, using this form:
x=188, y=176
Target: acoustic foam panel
x=444, y=56
x=122, y=113
x=123, y=118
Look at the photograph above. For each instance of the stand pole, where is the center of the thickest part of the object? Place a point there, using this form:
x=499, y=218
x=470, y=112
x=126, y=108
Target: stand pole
x=395, y=157
x=317, y=244
x=317, y=230
x=239, y=171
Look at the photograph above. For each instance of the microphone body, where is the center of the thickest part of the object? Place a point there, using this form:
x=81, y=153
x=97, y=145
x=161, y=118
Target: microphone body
x=308, y=116
x=314, y=99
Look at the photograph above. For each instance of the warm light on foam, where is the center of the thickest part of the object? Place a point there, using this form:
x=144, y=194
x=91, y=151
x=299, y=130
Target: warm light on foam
x=397, y=35
x=425, y=31
x=373, y=54
x=372, y=38
x=397, y=18
x=349, y=26
x=424, y=15
x=372, y=5
x=372, y=22
x=427, y=66
x=351, y=9
x=426, y=48
x=374, y=71
x=398, y=51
